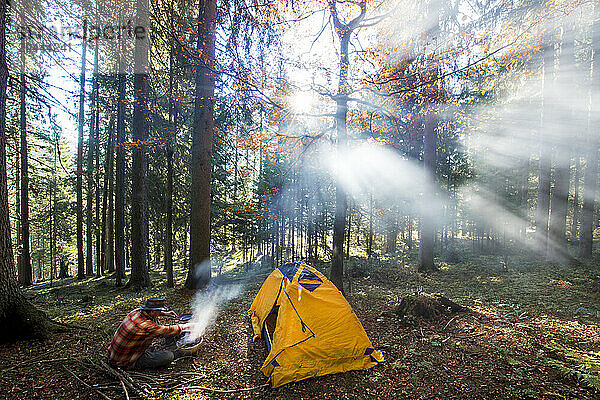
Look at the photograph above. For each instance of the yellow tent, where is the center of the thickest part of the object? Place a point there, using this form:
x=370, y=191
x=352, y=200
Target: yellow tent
x=309, y=327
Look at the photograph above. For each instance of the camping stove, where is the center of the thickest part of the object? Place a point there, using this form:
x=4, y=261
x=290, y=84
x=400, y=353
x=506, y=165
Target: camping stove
x=185, y=342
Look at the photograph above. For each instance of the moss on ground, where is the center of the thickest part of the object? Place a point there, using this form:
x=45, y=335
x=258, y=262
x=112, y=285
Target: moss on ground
x=532, y=333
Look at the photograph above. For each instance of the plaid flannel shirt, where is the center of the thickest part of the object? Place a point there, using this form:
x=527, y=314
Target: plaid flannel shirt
x=134, y=336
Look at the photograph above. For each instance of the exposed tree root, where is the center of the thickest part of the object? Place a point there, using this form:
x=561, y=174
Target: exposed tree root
x=25, y=322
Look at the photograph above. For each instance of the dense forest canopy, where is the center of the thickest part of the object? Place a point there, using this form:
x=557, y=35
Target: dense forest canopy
x=157, y=135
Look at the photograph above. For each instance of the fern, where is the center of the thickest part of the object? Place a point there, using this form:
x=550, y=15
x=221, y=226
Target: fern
x=584, y=366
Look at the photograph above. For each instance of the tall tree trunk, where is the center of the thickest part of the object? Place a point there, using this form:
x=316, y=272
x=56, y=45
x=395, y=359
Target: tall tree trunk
x=50, y=229
x=281, y=237
x=576, y=182
x=172, y=141
x=24, y=320
x=589, y=203
x=53, y=208
x=409, y=231
x=110, y=217
x=97, y=167
x=336, y=274
x=370, y=233
x=558, y=244
x=52, y=218
x=104, y=206
x=202, y=140
x=140, y=276
x=392, y=231
x=25, y=269
x=89, y=263
x=107, y=247
x=427, y=242
x=18, y=206
x=344, y=31
x=169, y=222
x=560, y=195
x=235, y=185
x=543, y=198
x=590, y=177
x=348, y=233
x=80, y=121
x=120, y=246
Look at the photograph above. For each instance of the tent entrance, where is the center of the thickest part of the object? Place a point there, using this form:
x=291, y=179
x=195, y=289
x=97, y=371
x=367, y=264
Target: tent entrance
x=269, y=327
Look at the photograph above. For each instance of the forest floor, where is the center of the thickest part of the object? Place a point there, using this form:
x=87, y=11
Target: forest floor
x=532, y=333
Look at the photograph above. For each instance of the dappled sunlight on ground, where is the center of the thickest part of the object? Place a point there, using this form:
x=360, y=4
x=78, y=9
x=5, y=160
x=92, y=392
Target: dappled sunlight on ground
x=530, y=333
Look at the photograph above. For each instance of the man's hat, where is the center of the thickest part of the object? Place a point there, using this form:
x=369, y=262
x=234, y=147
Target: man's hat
x=154, y=304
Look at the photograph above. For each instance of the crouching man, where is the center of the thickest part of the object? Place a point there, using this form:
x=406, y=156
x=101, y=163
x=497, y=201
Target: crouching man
x=129, y=348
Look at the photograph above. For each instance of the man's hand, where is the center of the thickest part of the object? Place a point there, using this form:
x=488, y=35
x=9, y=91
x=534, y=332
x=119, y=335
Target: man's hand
x=171, y=314
x=188, y=326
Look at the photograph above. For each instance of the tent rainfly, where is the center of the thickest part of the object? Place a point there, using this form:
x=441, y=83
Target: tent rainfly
x=308, y=326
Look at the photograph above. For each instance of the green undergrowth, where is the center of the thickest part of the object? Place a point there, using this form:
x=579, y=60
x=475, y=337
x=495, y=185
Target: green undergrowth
x=517, y=283
x=535, y=315
x=575, y=363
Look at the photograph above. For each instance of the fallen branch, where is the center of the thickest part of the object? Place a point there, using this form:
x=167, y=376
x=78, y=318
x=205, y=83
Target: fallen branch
x=141, y=386
x=124, y=390
x=125, y=379
x=37, y=360
x=224, y=390
x=149, y=378
x=180, y=385
x=453, y=318
x=87, y=385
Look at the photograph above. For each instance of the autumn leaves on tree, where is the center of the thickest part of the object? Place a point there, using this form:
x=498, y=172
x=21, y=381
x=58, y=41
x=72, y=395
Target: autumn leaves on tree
x=217, y=134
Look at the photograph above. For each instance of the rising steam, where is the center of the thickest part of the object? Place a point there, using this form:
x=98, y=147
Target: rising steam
x=206, y=304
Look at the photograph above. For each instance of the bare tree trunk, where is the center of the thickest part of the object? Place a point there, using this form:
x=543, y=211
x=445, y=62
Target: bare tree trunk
x=276, y=241
x=97, y=168
x=50, y=230
x=109, y=255
x=104, y=206
x=170, y=147
x=120, y=246
x=18, y=206
x=576, y=182
x=25, y=269
x=53, y=212
x=409, y=222
x=590, y=177
x=370, y=236
x=558, y=244
x=140, y=276
x=543, y=198
x=202, y=141
x=427, y=242
x=80, y=259
x=348, y=233
x=392, y=231
x=235, y=185
x=560, y=195
x=24, y=320
x=587, y=213
x=390, y=245
x=169, y=222
x=344, y=31
x=292, y=240
x=89, y=263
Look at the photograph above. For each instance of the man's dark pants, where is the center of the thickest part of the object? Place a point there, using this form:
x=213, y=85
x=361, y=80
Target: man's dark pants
x=159, y=358
x=154, y=359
